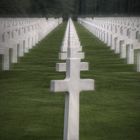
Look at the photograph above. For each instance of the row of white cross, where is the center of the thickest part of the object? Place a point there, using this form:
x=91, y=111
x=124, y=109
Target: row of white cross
x=72, y=85
x=19, y=35
x=121, y=34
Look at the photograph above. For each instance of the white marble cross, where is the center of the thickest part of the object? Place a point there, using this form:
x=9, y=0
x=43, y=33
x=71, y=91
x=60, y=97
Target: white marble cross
x=72, y=85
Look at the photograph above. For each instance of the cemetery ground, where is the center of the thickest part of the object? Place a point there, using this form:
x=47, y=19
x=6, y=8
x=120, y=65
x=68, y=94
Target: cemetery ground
x=29, y=111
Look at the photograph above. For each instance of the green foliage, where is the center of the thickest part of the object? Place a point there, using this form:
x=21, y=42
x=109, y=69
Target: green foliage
x=111, y=112
x=28, y=110
x=14, y=7
x=68, y=7
x=110, y=7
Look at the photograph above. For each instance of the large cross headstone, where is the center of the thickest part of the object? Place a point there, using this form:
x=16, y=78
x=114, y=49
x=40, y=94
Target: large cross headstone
x=72, y=85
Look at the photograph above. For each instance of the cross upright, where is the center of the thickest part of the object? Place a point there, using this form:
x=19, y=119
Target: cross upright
x=72, y=85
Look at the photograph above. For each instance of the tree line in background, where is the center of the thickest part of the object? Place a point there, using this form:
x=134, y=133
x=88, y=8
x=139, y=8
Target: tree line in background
x=69, y=7
x=110, y=7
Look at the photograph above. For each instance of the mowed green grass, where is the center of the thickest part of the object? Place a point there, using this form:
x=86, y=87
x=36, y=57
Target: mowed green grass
x=29, y=111
x=112, y=111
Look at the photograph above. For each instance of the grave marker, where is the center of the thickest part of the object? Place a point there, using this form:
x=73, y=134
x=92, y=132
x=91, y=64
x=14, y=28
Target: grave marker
x=72, y=85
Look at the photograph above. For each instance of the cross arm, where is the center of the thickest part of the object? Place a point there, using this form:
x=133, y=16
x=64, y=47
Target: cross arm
x=63, y=55
x=61, y=67
x=59, y=85
x=87, y=84
x=84, y=66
